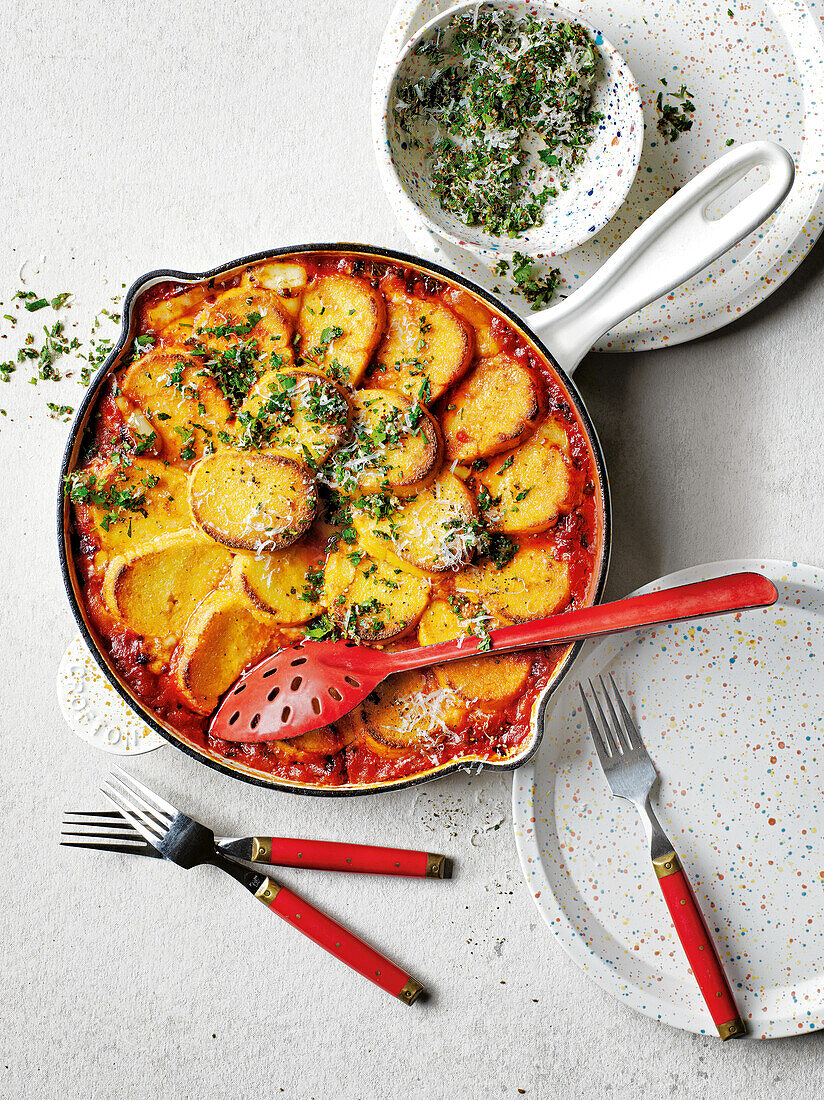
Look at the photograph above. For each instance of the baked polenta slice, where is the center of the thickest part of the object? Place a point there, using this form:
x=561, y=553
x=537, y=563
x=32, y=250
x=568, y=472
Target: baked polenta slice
x=371, y=599
x=252, y=501
x=161, y=315
x=496, y=406
x=396, y=446
x=287, y=280
x=493, y=680
x=309, y=746
x=244, y=325
x=407, y=712
x=436, y=530
x=524, y=492
x=123, y=506
x=183, y=404
x=220, y=639
x=375, y=537
x=426, y=349
x=153, y=588
x=285, y=585
x=297, y=413
x=469, y=309
x=341, y=320
x=533, y=585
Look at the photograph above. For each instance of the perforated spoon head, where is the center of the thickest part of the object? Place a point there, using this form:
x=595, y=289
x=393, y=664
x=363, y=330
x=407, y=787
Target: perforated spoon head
x=297, y=690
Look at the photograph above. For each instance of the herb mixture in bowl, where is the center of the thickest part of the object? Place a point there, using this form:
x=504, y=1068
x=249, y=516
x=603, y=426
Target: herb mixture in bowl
x=505, y=114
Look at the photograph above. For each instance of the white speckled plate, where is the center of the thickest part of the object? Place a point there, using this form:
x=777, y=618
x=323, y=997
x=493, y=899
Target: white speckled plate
x=731, y=711
x=757, y=72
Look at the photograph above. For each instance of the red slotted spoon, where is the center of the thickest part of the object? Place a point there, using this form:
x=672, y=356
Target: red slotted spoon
x=311, y=684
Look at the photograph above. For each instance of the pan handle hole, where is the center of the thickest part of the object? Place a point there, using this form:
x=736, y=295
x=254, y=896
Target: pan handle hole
x=336, y=695
x=254, y=723
x=273, y=694
x=351, y=680
x=269, y=672
x=298, y=680
x=730, y=194
x=284, y=714
x=234, y=718
x=298, y=661
x=316, y=705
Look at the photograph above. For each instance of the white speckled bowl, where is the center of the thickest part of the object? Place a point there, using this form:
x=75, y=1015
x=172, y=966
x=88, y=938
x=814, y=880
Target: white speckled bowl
x=596, y=189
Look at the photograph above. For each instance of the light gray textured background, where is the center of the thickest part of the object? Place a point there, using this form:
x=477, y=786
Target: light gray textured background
x=137, y=136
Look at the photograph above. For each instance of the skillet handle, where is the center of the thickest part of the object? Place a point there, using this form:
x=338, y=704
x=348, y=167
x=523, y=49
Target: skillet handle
x=672, y=245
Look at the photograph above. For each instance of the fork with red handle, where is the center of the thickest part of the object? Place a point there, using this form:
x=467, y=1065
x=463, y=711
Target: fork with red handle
x=630, y=774
x=152, y=826
x=109, y=831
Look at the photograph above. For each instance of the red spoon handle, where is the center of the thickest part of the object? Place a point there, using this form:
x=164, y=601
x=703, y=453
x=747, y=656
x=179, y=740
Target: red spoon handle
x=365, y=859
x=698, y=947
x=735, y=592
x=335, y=939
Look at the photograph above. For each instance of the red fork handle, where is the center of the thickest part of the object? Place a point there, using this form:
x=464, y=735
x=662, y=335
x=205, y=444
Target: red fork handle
x=335, y=939
x=364, y=859
x=698, y=947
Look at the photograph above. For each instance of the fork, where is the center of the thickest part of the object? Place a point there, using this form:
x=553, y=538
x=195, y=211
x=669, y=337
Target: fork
x=184, y=841
x=630, y=774
x=108, y=831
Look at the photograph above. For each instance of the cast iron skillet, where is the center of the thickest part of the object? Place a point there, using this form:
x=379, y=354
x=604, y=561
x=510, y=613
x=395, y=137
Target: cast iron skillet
x=672, y=245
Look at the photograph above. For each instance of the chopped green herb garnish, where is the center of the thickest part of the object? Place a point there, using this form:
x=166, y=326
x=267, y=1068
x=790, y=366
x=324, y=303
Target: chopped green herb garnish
x=674, y=119
x=113, y=493
x=537, y=287
x=60, y=412
x=322, y=627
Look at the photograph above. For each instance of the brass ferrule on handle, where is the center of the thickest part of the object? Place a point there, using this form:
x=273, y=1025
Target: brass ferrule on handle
x=667, y=864
x=261, y=849
x=437, y=866
x=732, y=1029
x=267, y=891
x=410, y=992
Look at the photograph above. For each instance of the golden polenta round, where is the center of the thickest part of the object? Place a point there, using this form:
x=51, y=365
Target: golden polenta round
x=252, y=501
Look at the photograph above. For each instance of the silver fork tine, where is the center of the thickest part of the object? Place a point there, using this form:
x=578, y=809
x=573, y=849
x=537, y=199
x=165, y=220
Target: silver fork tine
x=153, y=799
x=116, y=821
x=618, y=730
x=162, y=820
x=141, y=821
x=632, y=731
x=615, y=746
x=601, y=747
x=139, y=848
x=95, y=813
x=121, y=834
x=102, y=830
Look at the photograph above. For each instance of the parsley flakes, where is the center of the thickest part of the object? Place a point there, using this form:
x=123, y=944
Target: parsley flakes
x=537, y=287
x=674, y=119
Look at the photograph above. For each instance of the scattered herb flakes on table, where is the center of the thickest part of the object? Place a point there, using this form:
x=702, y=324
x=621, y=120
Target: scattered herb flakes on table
x=498, y=87
x=539, y=288
x=43, y=353
x=675, y=118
